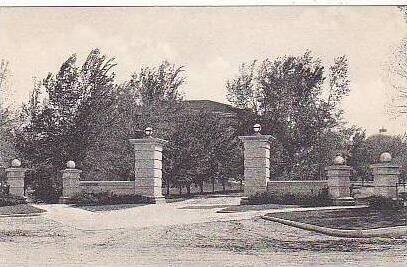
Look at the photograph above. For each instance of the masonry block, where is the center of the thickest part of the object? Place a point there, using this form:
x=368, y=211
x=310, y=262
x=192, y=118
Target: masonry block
x=385, y=179
x=339, y=181
x=148, y=167
x=15, y=179
x=256, y=163
x=70, y=184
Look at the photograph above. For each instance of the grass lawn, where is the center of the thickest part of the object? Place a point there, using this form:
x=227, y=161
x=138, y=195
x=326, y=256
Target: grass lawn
x=19, y=209
x=357, y=219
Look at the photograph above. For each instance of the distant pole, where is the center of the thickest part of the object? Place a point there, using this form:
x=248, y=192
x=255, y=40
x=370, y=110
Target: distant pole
x=382, y=130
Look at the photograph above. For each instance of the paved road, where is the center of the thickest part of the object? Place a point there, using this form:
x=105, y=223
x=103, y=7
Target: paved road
x=196, y=210
x=188, y=233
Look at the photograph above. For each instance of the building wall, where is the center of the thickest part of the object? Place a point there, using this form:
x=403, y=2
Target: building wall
x=304, y=188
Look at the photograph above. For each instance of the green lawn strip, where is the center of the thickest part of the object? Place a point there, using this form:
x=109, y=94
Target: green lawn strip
x=351, y=219
x=19, y=209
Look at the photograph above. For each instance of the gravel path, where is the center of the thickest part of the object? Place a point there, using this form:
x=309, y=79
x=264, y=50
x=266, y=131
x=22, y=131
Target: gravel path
x=41, y=240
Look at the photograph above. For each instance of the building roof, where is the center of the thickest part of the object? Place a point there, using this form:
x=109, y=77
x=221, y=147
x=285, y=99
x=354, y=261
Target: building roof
x=211, y=106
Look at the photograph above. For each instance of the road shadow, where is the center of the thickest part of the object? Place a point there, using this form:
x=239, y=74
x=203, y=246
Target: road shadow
x=101, y=208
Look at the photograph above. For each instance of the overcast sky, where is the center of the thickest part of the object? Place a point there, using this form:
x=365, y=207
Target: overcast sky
x=211, y=43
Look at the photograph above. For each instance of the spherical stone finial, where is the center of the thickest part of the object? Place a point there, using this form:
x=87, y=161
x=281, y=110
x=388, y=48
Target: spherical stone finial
x=339, y=160
x=16, y=163
x=70, y=164
x=385, y=157
x=257, y=128
x=148, y=131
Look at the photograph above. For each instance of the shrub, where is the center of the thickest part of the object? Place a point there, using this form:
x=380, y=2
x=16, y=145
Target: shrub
x=4, y=188
x=106, y=198
x=384, y=203
x=46, y=185
x=11, y=200
x=322, y=199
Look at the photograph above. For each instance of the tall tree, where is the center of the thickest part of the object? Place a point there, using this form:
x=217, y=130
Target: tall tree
x=287, y=94
x=4, y=71
x=203, y=148
x=7, y=120
x=63, y=117
x=151, y=98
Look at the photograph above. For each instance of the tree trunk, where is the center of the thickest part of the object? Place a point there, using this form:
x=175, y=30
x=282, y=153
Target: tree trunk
x=180, y=190
x=168, y=188
x=189, y=189
x=213, y=185
x=223, y=186
x=201, y=187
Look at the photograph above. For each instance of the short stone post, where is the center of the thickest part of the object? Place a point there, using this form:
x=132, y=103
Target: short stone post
x=256, y=162
x=339, y=182
x=385, y=176
x=148, y=166
x=15, y=178
x=70, y=182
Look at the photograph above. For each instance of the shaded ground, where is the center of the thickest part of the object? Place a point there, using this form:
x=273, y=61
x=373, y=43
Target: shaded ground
x=109, y=207
x=363, y=218
x=19, y=209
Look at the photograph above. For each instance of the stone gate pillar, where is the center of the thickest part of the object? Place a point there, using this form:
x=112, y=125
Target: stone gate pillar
x=70, y=182
x=385, y=176
x=256, y=162
x=339, y=182
x=15, y=178
x=148, y=166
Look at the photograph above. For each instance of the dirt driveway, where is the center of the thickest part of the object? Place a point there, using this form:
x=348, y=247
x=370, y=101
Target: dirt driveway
x=182, y=233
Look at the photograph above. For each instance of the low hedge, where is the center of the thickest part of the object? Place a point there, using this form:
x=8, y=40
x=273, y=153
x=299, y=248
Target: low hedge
x=106, y=198
x=320, y=200
x=384, y=203
x=11, y=200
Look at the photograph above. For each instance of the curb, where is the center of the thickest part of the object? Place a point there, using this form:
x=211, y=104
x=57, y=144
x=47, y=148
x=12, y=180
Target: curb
x=394, y=231
x=21, y=215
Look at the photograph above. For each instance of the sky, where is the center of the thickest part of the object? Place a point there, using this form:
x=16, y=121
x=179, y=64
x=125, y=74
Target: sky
x=211, y=43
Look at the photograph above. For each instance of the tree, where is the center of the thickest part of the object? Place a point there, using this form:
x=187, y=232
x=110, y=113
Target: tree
x=64, y=116
x=203, y=148
x=287, y=96
x=7, y=120
x=4, y=71
x=151, y=98
x=367, y=151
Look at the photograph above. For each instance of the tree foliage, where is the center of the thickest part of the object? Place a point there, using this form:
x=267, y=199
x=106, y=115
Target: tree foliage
x=7, y=120
x=295, y=100
x=203, y=148
x=367, y=151
x=64, y=115
x=149, y=99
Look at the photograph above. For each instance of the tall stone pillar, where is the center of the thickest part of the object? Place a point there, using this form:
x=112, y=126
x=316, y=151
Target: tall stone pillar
x=70, y=182
x=148, y=167
x=256, y=162
x=15, y=178
x=385, y=176
x=339, y=182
